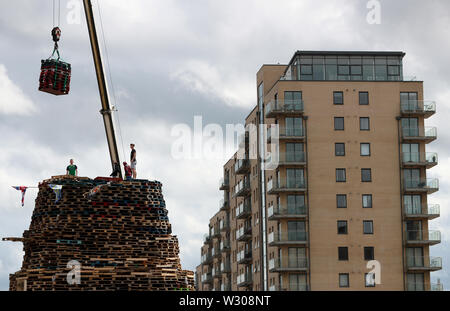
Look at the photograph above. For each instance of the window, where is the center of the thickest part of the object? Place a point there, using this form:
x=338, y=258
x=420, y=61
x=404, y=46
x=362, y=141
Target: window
x=366, y=175
x=294, y=127
x=364, y=124
x=338, y=123
x=367, y=201
x=369, y=253
x=414, y=257
x=369, y=279
x=344, y=280
x=341, y=200
x=343, y=253
x=296, y=205
x=368, y=227
x=295, y=152
x=342, y=226
x=365, y=149
x=363, y=98
x=338, y=98
x=339, y=149
x=295, y=178
x=340, y=175
x=415, y=281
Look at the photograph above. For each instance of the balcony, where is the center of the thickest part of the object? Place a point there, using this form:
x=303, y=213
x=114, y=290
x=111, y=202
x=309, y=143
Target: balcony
x=288, y=238
x=216, y=274
x=289, y=134
x=244, y=233
x=225, y=246
x=207, y=259
x=244, y=257
x=225, y=267
x=224, y=225
x=215, y=232
x=429, y=185
x=290, y=186
x=419, y=134
x=216, y=253
x=224, y=205
x=244, y=280
x=243, y=210
x=225, y=287
x=410, y=286
x=207, y=278
x=291, y=288
x=423, y=263
x=417, y=237
x=242, y=166
x=430, y=211
x=288, y=265
x=286, y=212
x=207, y=239
x=419, y=159
x=224, y=184
x=243, y=188
x=243, y=140
x=290, y=159
x=418, y=107
x=275, y=108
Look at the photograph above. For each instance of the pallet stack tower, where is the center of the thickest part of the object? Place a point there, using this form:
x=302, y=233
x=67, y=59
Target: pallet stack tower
x=121, y=238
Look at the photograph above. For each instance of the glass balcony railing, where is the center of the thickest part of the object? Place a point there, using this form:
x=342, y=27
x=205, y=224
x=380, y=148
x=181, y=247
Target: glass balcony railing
x=244, y=279
x=288, y=264
x=243, y=210
x=434, y=236
x=290, y=185
x=207, y=238
x=275, y=107
x=429, y=185
x=419, y=133
x=432, y=210
x=224, y=183
x=421, y=286
x=287, y=158
x=290, y=237
x=424, y=158
x=418, y=106
x=283, y=211
x=294, y=287
x=285, y=133
x=424, y=262
x=436, y=287
x=242, y=188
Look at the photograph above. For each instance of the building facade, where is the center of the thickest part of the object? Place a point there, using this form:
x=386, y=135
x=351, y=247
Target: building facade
x=329, y=190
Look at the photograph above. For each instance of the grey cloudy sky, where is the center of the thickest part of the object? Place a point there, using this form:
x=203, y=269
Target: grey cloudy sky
x=172, y=60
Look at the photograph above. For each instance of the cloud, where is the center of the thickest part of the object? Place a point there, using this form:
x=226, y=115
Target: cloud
x=13, y=100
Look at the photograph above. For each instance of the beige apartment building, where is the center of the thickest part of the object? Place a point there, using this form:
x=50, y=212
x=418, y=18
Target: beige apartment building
x=333, y=193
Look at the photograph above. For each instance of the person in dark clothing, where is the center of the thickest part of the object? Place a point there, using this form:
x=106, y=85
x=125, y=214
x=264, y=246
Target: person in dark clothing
x=133, y=160
x=127, y=170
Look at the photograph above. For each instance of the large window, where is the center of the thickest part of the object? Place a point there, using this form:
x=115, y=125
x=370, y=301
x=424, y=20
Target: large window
x=412, y=178
x=296, y=231
x=293, y=100
x=414, y=257
x=344, y=280
x=410, y=153
x=341, y=200
x=415, y=282
x=408, y=101
x=297, y=282
x=295, y=152
x=412, y=204
x=295, y=178
x=340, y=175
x=294, y=127
x=342, y=227
x=338, y=123
x=339, y=149
x=297, y=257
x=410, y=127
x=296, y=205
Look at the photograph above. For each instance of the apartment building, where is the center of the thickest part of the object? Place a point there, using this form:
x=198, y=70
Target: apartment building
x=329, y=190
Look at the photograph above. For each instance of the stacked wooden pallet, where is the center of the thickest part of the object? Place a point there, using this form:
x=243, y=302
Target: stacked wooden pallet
x=121, y=237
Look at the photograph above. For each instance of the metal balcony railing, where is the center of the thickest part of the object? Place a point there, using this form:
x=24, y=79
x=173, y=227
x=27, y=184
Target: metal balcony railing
x=242, y=166
x=419, y=133
x=421, y=286
x=418, y=107
x=244, y=233
x=288, y=264
x=289, y=237
x=223, y=204
x=207, y=239
x=275, y=107
x=225, y=267
x=225, y=287
x=292, y=287
x=286, y=185
x=216, y=273
x=287, y=158
x=244, y=256
x=419, y=237
x=428, y=159
x=225, y=245
x=207, y=277
x=429, y=211
x=242, y=188
x=429, y=185
x=424, y=262
x=216, y=251
x=224, y=183
x=244, y=279
x=215, y=232
x=243, y=210
x=278, y=212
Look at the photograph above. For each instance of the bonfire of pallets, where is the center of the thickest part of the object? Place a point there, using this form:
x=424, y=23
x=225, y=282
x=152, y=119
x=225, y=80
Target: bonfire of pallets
x=120, y=236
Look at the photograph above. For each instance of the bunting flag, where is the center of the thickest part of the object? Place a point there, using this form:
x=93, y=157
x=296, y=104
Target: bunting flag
x=22, y=189
x=57, y=190
x=95, y=190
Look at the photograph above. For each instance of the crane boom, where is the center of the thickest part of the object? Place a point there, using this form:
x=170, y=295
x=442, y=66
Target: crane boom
x=106, y=110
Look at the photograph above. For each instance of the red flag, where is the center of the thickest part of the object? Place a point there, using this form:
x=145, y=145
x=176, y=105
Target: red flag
x=22, y=189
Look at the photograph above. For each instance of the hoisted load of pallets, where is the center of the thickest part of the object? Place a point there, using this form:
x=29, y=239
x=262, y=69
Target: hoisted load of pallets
x=55, y=74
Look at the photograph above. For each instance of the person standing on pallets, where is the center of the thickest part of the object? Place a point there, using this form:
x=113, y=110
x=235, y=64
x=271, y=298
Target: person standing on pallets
x=72, y=169
x=133, y=160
